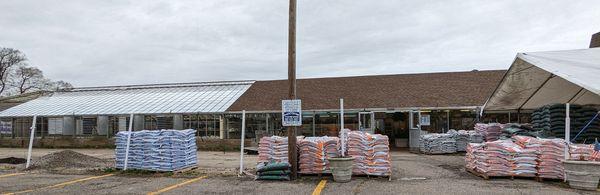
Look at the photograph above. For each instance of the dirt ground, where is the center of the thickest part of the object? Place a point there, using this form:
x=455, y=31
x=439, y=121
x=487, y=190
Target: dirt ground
x=421, y=174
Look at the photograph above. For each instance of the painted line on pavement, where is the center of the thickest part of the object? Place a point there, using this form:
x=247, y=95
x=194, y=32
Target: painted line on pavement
x=319, y=187
x=60, y=184
x=177, y=185
x=12, y=174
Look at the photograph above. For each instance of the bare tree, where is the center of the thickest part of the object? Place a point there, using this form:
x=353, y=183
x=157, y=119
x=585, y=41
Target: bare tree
x=9, y=58
x=61, y=85
x=27, y=78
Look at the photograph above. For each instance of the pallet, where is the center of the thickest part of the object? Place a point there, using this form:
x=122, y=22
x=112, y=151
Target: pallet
x=541, y=179
x=320, y=175
x=186, y=169
x=487, y=177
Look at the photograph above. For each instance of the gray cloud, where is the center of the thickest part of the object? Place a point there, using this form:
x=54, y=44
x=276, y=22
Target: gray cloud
x=92, y=43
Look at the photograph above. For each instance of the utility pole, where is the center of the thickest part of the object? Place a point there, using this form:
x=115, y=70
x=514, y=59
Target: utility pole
x=292, y=151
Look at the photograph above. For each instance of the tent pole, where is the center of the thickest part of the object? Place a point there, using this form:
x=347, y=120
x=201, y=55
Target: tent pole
x=31, y=142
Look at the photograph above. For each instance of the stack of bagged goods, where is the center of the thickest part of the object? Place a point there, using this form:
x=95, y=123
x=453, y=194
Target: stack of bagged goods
x=525, y=158
x=463, y=137
x=490, y=132
x=437, y=143
x=550, y=119
x=371, y=153
x=514, y=129
x=273, y=171
x=501, y=158
x=581, y=152
x=487, y=159
x=314, y=152
x=476, y=157
x=160, y=150
x=551, y=156
x=273, y=149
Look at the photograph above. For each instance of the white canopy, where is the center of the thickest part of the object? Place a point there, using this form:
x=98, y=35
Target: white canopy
x=540, y=78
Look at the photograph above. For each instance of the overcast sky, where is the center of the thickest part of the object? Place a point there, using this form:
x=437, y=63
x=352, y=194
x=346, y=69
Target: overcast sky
x=92, y=43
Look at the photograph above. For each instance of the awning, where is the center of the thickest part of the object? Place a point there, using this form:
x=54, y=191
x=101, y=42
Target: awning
x=181, y=98
x=540, y=78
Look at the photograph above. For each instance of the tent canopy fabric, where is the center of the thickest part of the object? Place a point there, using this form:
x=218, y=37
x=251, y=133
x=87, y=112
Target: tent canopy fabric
x=540, y=78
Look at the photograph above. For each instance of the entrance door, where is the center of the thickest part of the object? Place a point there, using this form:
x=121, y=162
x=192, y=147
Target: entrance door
x=414, y=129
x=366, y=122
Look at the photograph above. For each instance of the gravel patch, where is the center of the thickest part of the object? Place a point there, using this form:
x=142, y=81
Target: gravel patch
x=68, y=161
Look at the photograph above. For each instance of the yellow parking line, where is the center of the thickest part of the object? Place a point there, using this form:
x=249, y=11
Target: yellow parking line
x=60, y=184
x=12, y=174
x=176, y=185
x=319, y=187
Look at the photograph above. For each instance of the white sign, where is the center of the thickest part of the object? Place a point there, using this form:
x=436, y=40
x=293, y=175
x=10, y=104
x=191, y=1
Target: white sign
x=425, y=120
x=291, y=112
x=6, y=127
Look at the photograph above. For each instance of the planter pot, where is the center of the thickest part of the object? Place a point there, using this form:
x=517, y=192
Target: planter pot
x=341, y=169
x=583, y=175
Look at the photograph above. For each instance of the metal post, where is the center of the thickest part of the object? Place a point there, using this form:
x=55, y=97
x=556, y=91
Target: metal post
x=567, y=134
x=242, y=143
x=128, y=141
x=292, y=152
x=31, y=142
x=342, y=114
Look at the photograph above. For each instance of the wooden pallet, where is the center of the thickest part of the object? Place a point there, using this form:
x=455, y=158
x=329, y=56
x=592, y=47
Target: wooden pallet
x=186, y=169
x=320, y=175
x=487, y=177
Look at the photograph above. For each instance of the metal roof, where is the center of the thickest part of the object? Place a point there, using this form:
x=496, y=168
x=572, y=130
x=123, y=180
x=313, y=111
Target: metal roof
x=206, y=97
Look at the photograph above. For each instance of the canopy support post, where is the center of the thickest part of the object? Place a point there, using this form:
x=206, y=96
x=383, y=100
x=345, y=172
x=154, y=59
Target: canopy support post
x=31, y=142
x=567, y=134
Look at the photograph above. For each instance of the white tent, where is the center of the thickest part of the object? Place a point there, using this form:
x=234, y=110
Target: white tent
x=540, y=78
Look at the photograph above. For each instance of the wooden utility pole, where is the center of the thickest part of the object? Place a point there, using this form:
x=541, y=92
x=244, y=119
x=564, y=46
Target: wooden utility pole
x=292, y=151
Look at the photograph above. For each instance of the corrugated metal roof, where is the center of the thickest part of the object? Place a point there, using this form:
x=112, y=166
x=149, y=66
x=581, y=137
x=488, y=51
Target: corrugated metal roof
x=208, y=97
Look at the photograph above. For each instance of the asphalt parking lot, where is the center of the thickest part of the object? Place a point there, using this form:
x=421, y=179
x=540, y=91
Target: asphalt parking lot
x=412, y=174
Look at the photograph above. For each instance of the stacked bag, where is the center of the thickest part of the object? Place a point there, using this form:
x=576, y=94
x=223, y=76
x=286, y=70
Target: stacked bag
x=157, y=150
x=550, y=119
x=463, y=137
x=437, y=143
x=273, y=171
x=490, y=132
x=314, y=152
x=551, y=156
x=501, y=158
x=371, y=153
x=273, y=149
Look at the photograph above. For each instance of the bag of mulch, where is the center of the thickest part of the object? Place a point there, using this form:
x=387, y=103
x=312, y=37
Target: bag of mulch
x=273, y=177
x=274, y=166
x=275, y=172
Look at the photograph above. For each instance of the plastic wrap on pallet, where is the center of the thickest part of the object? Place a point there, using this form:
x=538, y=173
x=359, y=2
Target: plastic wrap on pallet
x=371, y=153
x=157, y=150
x=490, y=132
x=501, y=158
x=314, y=152
x=437, y=143
x=273, y=149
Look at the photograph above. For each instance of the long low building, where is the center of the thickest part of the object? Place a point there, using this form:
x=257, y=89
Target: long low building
x=388, y=104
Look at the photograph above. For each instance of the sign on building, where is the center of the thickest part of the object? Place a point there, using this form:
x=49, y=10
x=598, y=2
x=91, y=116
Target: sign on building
x=425, y=120
x=291, y=112
x=6, y=127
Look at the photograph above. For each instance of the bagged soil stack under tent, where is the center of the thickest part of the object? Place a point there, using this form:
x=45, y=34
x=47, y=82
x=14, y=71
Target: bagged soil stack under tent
x=68, y=161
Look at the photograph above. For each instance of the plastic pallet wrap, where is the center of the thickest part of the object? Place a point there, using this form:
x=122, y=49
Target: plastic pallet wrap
x=490, y=132
x=158, y=150
x=314, y=152
x=371, y=153
x=273, y=149
x=437, y=143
